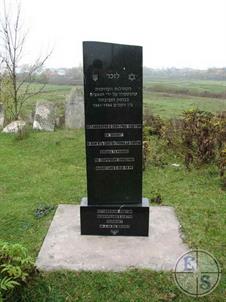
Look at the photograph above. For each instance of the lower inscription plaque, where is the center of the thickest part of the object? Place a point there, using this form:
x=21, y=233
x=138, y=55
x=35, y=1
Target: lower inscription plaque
x=128, y=220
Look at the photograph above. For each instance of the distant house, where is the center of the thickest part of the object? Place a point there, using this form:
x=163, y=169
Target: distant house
x=61, y=72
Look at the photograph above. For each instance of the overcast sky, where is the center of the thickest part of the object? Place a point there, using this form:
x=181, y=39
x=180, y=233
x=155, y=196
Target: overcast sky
x=173, y=33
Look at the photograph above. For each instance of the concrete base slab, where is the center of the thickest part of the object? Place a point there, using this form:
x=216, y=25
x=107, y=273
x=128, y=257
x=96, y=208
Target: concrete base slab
x=65, y=248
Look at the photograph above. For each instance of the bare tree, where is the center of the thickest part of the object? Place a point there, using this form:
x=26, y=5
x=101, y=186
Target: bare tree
x=1, y=78
x=12, y=41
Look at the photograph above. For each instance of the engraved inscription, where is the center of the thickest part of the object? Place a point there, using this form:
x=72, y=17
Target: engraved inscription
x=113, y=143
x=114, y=151
x=115, y=219
x=109, y=134
x=113, y=168
x=114, y=159
x=115, y=97
x=114, y=126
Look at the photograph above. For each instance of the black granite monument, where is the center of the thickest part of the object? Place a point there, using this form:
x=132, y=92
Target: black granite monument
x=113, y=127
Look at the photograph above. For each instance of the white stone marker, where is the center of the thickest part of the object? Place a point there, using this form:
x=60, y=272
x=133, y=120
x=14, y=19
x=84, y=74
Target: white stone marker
x=74, y=110
x=14, y=127
x=44, y=118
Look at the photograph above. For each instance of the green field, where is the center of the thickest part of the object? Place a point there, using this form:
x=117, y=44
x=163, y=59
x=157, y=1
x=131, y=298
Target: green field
x=172, y=105
x=189, y=86
x=49, y=169
x=167, y=98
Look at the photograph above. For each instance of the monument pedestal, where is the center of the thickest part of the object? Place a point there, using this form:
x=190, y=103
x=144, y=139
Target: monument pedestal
x=112, y=220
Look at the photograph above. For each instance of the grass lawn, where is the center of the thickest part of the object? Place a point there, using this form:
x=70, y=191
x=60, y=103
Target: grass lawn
x=49, y=168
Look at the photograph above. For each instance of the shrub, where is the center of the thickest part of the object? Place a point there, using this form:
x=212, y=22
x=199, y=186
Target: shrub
x=170, y=132
x=199, y=136
x=220, y=121
x=152, y=150
x=16, y=268
x=154, y=123
x=222, y=167
x=146, y=146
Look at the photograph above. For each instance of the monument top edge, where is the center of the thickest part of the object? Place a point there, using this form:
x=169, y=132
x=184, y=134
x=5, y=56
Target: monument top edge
x=109, y=43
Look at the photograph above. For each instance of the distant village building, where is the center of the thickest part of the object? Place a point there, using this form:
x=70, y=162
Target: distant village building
x=61, y=72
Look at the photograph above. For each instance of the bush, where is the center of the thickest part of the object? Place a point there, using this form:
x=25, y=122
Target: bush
x=171, y=131
x=151, y=154
x=220, y=119
x=154, y=124
x=146, y=147
x=199, y=136
x=16, y=269
x=222, y=167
